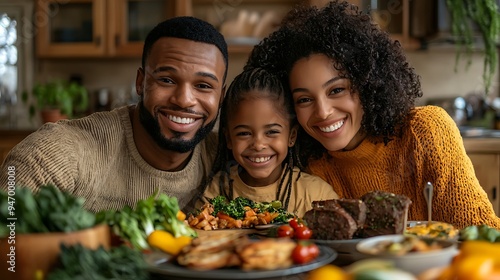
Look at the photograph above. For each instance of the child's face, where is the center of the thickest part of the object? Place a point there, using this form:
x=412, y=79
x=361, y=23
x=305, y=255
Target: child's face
x=259, y=136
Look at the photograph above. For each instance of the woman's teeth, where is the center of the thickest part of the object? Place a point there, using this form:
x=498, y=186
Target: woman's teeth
x=260, y=159
x=180, y=120
x=332, y=127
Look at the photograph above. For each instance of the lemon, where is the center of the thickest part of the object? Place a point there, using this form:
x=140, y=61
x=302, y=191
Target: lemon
x=329, y=271
x=166, y=242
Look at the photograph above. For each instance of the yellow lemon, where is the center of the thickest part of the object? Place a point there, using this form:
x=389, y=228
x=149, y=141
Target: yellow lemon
x=329, y=271
x=167, y=243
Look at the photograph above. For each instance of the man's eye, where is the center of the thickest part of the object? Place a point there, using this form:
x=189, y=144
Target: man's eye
x=204, y=86
x=166, y=80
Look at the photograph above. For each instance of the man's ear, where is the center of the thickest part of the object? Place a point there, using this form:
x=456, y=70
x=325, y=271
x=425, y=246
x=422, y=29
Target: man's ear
x=293, y=135
x=139, y=80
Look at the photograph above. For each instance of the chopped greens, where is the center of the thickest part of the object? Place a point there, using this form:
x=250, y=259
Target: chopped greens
x=235, y=208
x=78, y=262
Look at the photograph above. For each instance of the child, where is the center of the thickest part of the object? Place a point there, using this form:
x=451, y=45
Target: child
x=257, y=131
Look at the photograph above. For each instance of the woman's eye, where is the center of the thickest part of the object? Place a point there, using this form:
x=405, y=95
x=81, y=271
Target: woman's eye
x=337, y=90
x=303, y=100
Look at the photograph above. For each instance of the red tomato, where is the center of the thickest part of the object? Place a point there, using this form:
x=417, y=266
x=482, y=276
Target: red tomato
x=285, y=231
x=303, y=232
x=295, y=223
x=305, y=252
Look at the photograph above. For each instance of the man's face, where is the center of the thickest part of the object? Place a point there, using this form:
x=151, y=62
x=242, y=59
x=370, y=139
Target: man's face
x=181, y=88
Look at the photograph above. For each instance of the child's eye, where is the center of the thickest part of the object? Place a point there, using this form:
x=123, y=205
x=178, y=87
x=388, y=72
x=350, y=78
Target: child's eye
x=243, y=133
x=270, y=132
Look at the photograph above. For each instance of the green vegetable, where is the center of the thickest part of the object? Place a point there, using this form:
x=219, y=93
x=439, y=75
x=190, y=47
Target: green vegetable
x=153, y=213
x=78, y=262
x=235, y=208
x=49, y=210
x=481, y=232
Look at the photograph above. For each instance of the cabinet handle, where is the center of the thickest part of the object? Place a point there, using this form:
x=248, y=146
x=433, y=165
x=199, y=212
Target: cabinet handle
x=494, y=194
x=117, y=39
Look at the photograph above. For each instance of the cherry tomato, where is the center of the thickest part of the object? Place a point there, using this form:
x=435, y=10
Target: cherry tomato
x=294, y=223
x=305, y=252
x=285, y=231
x=303, y=232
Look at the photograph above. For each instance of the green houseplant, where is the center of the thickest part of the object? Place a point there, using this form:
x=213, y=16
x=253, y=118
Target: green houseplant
x=486, y=15
x=62, y=96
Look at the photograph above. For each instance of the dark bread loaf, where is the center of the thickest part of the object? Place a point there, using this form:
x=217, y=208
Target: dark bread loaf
x=386, y=214
x=376, y=213
x=329, y=221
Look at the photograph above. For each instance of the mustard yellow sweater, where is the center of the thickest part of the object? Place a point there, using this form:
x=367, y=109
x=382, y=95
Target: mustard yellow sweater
x=431, y=149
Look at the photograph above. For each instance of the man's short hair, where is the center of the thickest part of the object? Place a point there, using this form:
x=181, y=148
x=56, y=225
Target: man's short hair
x=189, y=28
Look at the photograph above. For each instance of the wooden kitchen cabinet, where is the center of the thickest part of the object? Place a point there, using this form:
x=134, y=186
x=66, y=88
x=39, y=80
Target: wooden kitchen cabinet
x=487, y=167
x=99, y=28
x=485, y=156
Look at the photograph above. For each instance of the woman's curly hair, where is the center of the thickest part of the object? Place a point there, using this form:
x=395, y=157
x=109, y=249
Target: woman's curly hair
x=360, y=51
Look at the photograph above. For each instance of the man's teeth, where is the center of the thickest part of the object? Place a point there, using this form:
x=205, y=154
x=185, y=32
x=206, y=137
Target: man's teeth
x=180, y=120
x=332, y=127
x=260, y=159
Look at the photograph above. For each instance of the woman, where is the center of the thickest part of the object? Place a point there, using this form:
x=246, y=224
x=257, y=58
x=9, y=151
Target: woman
x=354, y=95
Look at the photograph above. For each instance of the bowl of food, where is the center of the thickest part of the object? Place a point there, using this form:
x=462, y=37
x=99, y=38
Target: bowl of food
x=408, y=252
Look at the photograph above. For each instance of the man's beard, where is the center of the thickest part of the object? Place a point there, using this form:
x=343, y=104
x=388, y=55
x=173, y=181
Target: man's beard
x=176, y=144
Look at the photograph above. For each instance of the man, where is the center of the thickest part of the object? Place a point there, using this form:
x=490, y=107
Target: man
x=162, y=144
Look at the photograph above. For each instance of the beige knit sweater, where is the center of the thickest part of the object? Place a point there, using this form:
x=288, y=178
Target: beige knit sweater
x=430, y=150
x=96, y=158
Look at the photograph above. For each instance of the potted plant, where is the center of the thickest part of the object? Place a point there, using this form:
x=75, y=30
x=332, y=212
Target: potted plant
x=58, y=100
x=486, y=15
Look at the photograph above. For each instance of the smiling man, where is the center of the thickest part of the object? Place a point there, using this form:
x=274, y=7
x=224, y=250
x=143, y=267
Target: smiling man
x=162, y=144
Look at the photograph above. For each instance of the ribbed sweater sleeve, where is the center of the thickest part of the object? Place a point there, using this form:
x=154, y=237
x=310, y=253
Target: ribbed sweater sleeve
x=96, y=158
x=431, y=149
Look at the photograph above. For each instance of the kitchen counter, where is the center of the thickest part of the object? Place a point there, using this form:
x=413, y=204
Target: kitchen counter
x=482, y=145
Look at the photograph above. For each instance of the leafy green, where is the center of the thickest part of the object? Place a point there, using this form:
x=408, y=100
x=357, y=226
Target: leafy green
x=153, y=213
x=481, y=232
x=78, y=262
x=49, y=210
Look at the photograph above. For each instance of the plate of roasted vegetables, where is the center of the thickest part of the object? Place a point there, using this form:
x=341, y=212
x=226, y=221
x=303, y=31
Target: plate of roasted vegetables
x=239, y=213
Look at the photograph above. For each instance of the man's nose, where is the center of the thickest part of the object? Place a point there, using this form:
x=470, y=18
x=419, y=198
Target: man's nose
x=184, y=96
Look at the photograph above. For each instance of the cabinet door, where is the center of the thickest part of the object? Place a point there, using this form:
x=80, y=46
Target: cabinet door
x=71, y=28
x=131, y=20
x=487, y=167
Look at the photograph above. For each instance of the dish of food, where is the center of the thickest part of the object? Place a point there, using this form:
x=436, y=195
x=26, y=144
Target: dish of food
x=437, y=253
x=438, y=230
x=172, y=269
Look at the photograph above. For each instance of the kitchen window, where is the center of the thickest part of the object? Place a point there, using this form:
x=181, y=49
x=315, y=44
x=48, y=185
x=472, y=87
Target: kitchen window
x=16, y=61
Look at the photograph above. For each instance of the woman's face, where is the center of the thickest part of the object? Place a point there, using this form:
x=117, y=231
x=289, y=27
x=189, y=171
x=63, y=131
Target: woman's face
x=325, y=106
